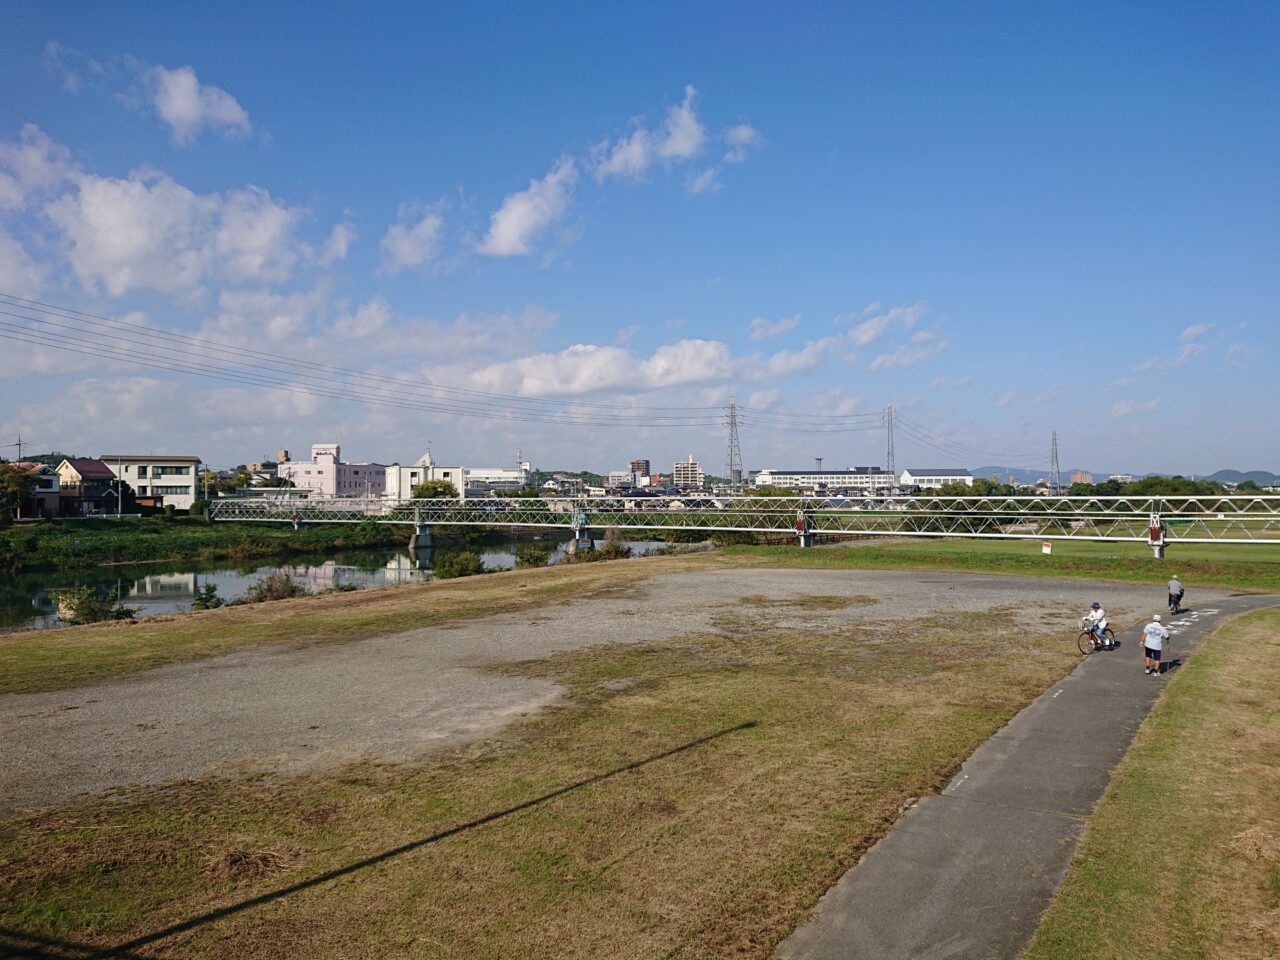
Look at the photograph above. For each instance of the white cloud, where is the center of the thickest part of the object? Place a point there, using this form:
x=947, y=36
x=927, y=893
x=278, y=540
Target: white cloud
x=786, y=363
x=523, y=216
x=625, y=334
x=338, y=244
x=251, y=316
x=876, y=324
x=836, y=402
x=31, y=166
x=764, y=399
x=683, y=135
x=630, y=157
x=369, y=318
x=1127, y=408
x=1007, y=399
x=762, y=329
x=943, y=383
x=413, y=240
x=1052, y=392
x=1240, y=357
x=1187, y=353
x=19, y=274
x=923, y=346
x=708, y=181
x=1195, y=331
x=150, y=232
x=187, y=106
x=739, y=138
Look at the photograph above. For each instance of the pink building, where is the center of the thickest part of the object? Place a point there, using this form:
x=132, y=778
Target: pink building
x=327, y=475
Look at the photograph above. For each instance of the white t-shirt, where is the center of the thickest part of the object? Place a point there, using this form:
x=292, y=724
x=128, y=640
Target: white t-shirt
x=1099, y=617
x=1154, y=635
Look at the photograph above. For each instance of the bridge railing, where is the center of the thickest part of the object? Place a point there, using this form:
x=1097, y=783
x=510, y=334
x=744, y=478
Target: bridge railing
x=1219, y=518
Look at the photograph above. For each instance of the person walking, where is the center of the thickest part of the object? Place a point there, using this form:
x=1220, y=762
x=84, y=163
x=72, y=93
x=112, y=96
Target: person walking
x=1176, y=592
x=1154, y=638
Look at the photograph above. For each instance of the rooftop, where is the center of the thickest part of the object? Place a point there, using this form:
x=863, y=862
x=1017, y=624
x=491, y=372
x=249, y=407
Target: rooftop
x=147, y=456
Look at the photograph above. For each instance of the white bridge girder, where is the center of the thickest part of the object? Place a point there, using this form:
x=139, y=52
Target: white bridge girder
x=1207, y=519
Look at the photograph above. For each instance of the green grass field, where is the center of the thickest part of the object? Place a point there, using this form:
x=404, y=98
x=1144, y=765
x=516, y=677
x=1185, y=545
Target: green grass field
x=1181, y=859
x=1251, y=567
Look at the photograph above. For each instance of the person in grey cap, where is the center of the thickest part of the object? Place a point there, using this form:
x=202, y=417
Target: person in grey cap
x=1176, y=591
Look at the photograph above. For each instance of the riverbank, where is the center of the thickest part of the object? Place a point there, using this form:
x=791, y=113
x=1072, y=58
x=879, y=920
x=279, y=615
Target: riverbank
x=63, y=544
x=711, y=750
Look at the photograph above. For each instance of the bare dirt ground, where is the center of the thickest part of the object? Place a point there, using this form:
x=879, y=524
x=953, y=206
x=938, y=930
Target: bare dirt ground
x=297, y=708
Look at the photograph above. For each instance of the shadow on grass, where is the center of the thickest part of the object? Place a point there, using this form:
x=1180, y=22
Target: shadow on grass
x=17, y=944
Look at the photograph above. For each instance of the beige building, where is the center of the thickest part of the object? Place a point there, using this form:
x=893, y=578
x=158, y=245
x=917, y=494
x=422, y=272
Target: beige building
x=401, y=480
x=166, y=480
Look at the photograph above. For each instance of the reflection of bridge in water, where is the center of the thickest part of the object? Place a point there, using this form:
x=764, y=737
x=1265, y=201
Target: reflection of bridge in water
x=1156, y=521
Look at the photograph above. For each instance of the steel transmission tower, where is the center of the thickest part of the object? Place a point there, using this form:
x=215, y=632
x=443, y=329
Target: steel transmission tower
x=888, y=441
x=733, y=453
x=1055, y=472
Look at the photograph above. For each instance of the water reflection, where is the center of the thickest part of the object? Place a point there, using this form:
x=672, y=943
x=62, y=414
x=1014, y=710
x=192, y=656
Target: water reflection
x=26, y=599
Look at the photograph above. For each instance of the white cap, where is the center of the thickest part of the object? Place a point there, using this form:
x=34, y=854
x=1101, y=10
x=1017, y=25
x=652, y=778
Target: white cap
x=1156, y=618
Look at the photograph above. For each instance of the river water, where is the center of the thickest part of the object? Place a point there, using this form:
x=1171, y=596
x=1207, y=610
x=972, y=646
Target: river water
x=26, y=599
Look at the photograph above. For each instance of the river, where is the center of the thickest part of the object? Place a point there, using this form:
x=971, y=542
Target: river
x=26, y=599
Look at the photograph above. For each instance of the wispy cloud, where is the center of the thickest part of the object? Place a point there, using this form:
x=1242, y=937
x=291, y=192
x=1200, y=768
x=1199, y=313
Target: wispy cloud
x=681, y=137
x=414, y=239
x=943, y=383
x=874, y=324
x=740, y=138
x=1240, y=357
x=1195, y=331
x=188, y=106
x=523, y=216
x=1187, y=353
x=1128, y=408
x=1007, y=399
x=923, y=345
x=762, y=329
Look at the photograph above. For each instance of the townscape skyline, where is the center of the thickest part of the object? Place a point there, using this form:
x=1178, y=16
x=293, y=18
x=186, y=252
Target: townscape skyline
x=1005, y=222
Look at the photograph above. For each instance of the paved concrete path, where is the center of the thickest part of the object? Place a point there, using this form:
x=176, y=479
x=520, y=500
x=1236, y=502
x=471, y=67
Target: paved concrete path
x=968, y=873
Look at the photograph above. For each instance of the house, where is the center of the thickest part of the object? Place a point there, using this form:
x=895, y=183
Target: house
x=326, y=474
x=157, y=480
x=44, y=499
x=85, y=487
x=861, y=480
x=934, y=479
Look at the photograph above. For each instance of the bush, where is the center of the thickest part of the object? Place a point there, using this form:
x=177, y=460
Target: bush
x=275, y=586
x=463, y=564
x=207, y=598
x=170, y=511
x=84, y=605
x=531, y=556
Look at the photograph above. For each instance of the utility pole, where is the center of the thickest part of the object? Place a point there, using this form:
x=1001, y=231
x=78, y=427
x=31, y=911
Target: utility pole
x=1055, y=472
x=733, y=453
x=888, y=444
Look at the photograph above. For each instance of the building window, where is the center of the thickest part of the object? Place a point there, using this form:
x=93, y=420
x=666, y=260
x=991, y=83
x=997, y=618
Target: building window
x=171, y=491
x=142, y=471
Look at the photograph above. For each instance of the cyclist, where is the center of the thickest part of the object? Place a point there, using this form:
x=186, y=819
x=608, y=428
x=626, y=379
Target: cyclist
x=1176, y=591
x=1097, y=618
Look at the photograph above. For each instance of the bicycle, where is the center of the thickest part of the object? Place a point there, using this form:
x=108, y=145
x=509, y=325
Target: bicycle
x=1175, y=603
x=1087, y=642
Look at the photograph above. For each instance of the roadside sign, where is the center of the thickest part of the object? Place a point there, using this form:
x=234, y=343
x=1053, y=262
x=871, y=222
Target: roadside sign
x=1046, y=547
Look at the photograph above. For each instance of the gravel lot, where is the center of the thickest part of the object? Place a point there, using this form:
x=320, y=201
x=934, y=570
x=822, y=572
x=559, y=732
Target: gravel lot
x=286, y=709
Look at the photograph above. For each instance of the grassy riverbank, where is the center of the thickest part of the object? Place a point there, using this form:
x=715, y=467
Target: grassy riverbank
x=1251, y=567
x=64, y=544
x=1182, y=856
x=691, y=797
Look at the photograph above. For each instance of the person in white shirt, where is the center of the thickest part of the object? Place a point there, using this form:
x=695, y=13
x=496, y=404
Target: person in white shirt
x=1097, y=618
x=1176, y=592
x=1154, y=638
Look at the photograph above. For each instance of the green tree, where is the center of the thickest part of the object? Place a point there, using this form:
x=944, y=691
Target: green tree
x=16, y=484
x=465, y=564
x=435, y=490
x=1248, y=486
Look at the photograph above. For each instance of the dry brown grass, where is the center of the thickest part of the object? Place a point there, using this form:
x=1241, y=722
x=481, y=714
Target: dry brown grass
x=1182, y=856
x=715, y=851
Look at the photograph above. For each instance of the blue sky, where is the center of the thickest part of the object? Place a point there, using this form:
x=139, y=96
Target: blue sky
x=1006, y=219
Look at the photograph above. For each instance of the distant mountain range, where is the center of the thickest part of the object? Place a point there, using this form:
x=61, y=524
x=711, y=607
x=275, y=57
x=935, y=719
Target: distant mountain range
x=1262, y=478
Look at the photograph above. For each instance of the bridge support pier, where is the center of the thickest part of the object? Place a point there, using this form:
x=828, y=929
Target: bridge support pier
x=807, y=539
x=581, y=542
x=420, y=539
x=1157, y=550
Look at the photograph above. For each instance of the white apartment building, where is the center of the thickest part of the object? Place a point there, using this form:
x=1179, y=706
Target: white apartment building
x=326, y=474
x=687, y=475
x=1121, y=477
x=402, y=479
x=861, y=480
x=933, y=479
x=168, y=480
